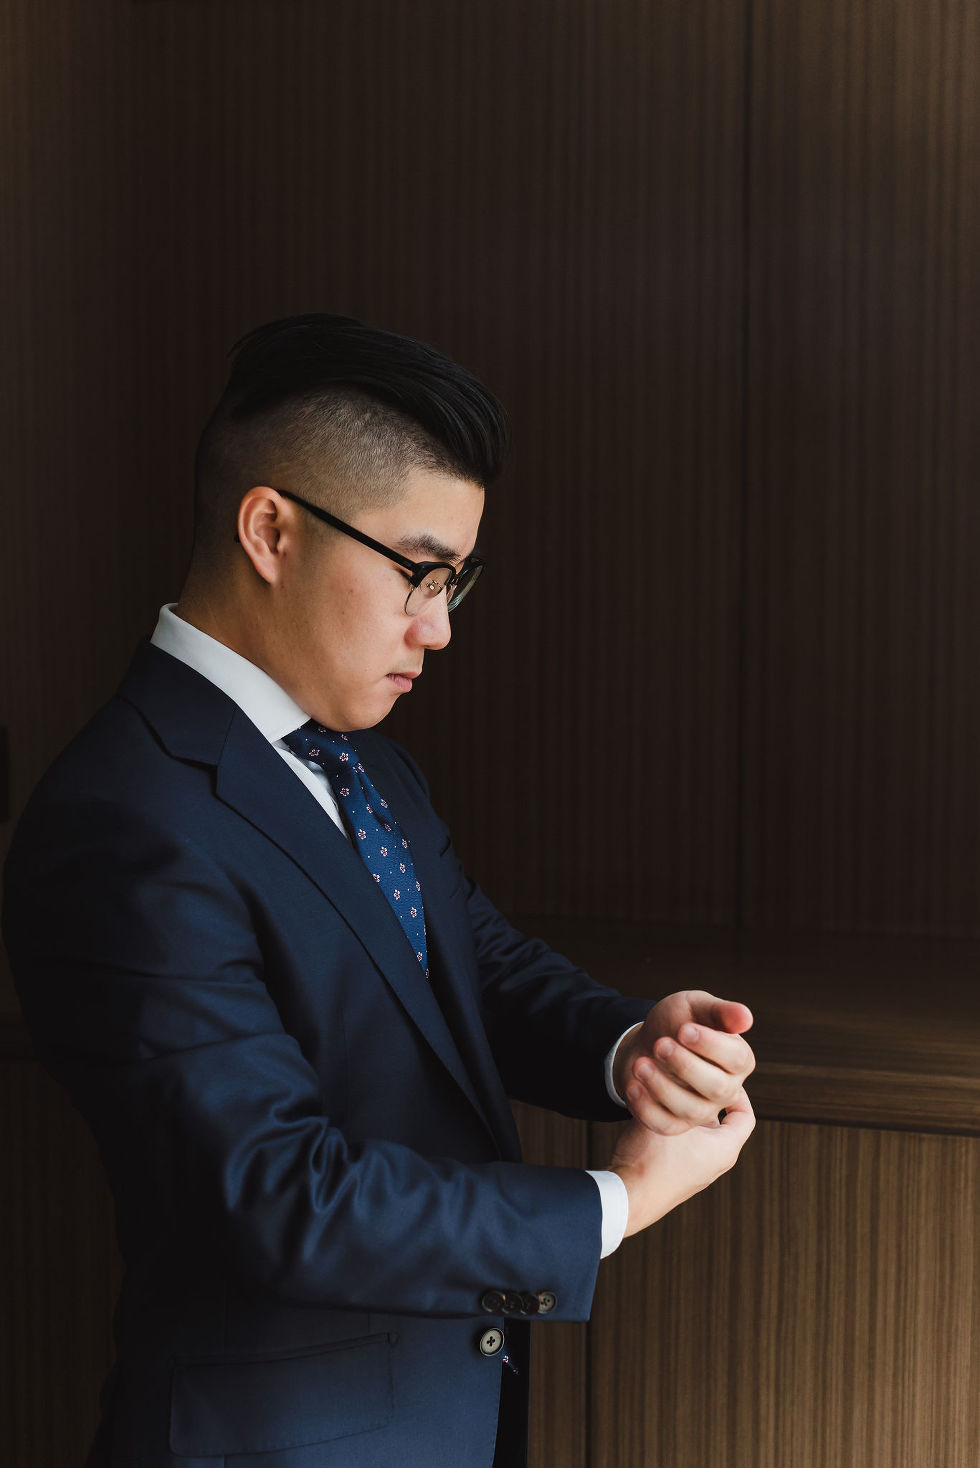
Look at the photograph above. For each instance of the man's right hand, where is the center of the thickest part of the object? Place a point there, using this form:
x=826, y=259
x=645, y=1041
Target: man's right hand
x=661, y=1172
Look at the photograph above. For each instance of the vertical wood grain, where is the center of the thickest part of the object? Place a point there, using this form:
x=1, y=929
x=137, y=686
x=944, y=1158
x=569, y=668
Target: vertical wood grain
x=706, y=336
x=553, y=194
x=60, y=1277
x=560, y=1392
x=817, y=1307
x=550, y=191
x=861, y=712
x=72, y=565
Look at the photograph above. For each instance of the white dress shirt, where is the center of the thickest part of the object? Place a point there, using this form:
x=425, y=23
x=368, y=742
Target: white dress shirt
x=275, y=714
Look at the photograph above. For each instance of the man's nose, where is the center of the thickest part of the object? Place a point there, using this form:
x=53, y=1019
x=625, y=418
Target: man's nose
x=430, y=627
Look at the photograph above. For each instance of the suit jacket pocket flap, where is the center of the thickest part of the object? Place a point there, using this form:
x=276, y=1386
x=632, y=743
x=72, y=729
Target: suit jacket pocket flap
x=234, y=1405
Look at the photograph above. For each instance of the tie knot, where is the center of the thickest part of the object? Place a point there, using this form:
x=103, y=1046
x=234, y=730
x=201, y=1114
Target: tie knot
x=329, y=749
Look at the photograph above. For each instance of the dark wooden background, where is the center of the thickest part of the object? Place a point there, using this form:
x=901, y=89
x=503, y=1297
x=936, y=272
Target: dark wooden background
x=719, y=259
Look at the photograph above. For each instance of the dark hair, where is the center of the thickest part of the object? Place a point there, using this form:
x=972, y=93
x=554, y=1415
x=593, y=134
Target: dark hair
x=320, y=397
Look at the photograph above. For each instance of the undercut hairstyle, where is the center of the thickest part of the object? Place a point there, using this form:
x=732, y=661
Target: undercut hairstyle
x=339, y=413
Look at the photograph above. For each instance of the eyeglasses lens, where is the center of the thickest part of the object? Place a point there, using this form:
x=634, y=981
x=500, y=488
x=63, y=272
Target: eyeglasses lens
x=435, y=583
x=465, y=583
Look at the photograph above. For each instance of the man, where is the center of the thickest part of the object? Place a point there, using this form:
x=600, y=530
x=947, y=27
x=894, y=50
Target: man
x=244, y=943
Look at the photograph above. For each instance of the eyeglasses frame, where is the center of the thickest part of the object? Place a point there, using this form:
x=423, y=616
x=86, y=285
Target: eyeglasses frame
x=419, y=569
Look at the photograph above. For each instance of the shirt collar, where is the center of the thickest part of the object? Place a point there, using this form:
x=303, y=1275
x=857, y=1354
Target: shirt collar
x=259, y=697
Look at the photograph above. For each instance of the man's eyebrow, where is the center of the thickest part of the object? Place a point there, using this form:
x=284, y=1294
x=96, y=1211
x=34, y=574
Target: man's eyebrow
x=424, y=545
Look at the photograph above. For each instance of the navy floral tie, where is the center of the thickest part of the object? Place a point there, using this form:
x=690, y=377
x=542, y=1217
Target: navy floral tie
x=380, y=843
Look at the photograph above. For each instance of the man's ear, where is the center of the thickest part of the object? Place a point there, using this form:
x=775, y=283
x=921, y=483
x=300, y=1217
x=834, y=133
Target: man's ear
x=265, y=523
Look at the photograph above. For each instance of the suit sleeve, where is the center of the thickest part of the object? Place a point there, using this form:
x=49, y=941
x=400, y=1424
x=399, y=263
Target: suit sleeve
x=143, y=984
x=550, y=1024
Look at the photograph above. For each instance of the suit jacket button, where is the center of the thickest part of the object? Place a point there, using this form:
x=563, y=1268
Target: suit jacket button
x=546, y=1301
x=530, y=1304
x=492, y=1301
x=512, y=1303
x=491, y=1342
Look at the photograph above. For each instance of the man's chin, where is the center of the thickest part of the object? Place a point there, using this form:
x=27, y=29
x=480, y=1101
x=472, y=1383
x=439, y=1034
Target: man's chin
x=376, y=705
x=373, y=712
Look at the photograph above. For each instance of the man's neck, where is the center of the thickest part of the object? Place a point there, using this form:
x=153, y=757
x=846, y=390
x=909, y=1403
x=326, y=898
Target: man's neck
x=210, y=612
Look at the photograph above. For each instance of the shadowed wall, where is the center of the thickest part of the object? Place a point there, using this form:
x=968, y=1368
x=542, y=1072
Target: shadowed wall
x=717, y=259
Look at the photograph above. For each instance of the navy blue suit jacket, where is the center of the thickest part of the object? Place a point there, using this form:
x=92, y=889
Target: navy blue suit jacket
x=316, y=1171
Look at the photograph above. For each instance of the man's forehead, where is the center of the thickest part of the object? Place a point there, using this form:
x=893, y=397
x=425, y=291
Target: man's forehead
x=436, y=518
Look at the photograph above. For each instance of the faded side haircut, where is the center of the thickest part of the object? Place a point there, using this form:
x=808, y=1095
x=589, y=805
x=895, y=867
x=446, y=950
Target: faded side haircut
x=339, y=413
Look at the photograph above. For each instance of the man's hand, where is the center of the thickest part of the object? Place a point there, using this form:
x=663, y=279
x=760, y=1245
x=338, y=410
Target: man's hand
x=661, y=1172
x=686, y=1062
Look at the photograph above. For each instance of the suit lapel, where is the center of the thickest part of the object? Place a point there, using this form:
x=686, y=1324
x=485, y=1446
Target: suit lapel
x=449, y=960
x=195, y=720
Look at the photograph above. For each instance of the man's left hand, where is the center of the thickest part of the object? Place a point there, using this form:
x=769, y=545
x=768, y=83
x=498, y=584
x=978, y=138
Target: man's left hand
x=686, y=1062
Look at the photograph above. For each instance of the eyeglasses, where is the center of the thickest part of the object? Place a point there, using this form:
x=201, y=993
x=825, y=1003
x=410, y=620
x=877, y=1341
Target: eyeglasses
x=428, y=578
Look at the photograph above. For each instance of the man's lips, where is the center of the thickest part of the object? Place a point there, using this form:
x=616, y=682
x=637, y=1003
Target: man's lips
x=403, y=681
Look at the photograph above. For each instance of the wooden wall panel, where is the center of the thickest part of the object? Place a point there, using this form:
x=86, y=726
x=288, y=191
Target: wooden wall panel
x=554, y=194
x=817, y=1307
x=60, y=1277
x=861, y=793
x=72, y=572
x=561, y=196
x=627, y=483
x=560, y=1366
x=551, y=191
x=871, y=1032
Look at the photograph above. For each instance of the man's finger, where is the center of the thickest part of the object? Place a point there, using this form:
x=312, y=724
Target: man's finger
x=729, y=1053
x=713, y=1066
x=655, y=1096
x=728, y=1015
x=736, y=1018
x=739, y=1119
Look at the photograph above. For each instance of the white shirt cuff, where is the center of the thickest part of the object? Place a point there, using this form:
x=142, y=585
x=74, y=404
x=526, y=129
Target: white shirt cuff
x=610, y=1061
x=615, y=1209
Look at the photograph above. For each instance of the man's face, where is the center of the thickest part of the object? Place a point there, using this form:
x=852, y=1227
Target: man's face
x=343, y=643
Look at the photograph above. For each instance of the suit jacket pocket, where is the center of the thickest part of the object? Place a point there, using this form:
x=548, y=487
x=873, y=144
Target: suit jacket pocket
x=233, y=1404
